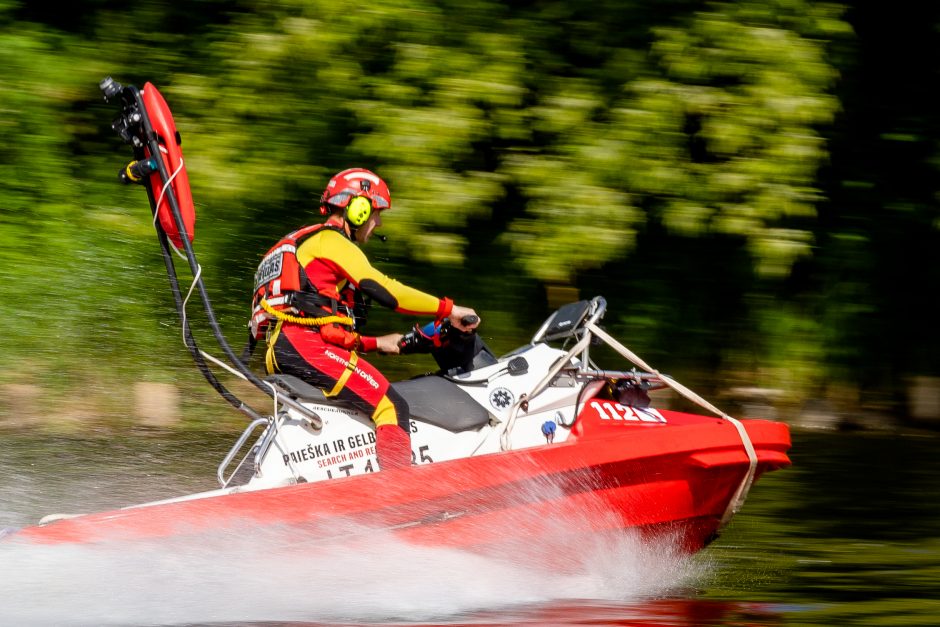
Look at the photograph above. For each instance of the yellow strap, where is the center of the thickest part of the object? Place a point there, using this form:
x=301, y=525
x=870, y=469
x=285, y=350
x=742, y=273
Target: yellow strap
x=269, y=361
x=343, y=378
x=309, y=322
x=129, y=173
x=282, y=317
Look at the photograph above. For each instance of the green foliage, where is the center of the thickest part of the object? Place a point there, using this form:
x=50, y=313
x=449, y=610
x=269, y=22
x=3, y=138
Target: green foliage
x=525, y=143
x=725, y=140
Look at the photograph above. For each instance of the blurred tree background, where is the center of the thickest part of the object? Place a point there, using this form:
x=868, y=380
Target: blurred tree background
x=752, y=184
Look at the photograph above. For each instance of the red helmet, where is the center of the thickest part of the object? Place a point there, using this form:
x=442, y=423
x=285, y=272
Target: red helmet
x=354, y=183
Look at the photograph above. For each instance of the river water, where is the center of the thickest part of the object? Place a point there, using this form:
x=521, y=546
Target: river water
x=850, y=535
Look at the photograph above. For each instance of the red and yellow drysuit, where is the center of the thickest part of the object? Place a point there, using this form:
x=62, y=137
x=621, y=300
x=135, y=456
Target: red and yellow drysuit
x=327, y=356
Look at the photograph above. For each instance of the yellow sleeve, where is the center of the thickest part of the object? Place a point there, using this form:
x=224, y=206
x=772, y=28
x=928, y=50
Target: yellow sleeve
x=336, y=250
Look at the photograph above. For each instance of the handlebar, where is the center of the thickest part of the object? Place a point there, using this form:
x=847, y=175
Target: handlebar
x=468, y=320
x=424, y=339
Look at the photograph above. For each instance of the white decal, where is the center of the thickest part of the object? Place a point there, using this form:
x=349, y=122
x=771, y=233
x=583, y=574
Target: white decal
x=270, y=268
x=501, y=398
x=362, y=373
x=355, y=176
x=616, y=411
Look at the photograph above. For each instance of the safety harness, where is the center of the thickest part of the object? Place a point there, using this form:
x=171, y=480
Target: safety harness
x=283, y=293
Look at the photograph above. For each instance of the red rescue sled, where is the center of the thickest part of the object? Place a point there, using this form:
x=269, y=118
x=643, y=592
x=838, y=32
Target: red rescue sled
x=171, y=152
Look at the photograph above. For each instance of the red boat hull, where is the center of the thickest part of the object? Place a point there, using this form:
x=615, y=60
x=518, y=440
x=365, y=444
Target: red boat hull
x=675, y=478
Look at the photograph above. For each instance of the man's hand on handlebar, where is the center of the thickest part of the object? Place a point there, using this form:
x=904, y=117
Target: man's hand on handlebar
x=422, y=339
x=464, y=318
x=388, y=344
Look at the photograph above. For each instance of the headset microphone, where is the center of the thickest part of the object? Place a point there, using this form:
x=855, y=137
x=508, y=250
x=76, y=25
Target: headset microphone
x=382, y=238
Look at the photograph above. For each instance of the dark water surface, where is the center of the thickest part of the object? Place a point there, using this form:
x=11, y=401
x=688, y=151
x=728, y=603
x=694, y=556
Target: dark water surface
x=850, y=535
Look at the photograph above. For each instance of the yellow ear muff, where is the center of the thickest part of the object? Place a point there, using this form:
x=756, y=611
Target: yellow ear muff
x=358, y=211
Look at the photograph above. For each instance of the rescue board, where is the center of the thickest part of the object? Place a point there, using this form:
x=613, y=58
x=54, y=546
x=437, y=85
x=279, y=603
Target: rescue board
x=161, y=119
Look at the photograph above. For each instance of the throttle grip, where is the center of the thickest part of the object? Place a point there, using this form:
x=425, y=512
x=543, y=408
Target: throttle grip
x=471, y=319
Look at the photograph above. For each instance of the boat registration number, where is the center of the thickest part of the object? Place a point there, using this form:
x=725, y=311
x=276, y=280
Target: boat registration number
x=624, y=413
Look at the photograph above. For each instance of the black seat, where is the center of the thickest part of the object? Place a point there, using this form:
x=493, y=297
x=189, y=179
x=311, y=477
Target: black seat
x=431, y=399
x=442, y=403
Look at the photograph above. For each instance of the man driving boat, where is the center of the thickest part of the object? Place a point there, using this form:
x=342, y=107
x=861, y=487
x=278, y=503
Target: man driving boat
x=311, y=287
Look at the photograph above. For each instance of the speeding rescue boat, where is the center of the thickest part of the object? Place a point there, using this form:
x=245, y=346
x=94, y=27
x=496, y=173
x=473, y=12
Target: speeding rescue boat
x=536, y=446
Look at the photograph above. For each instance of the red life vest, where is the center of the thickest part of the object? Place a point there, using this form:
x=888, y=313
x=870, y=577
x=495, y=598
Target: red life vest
x=280, y=279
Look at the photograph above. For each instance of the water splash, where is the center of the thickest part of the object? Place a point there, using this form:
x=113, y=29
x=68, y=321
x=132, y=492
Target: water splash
x=281, y=575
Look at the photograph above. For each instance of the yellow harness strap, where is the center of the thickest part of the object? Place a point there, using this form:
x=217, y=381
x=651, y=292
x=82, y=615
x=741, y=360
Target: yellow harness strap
x=270, y=362
x=308, y=322
x=282, y=317
x=343, y=378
